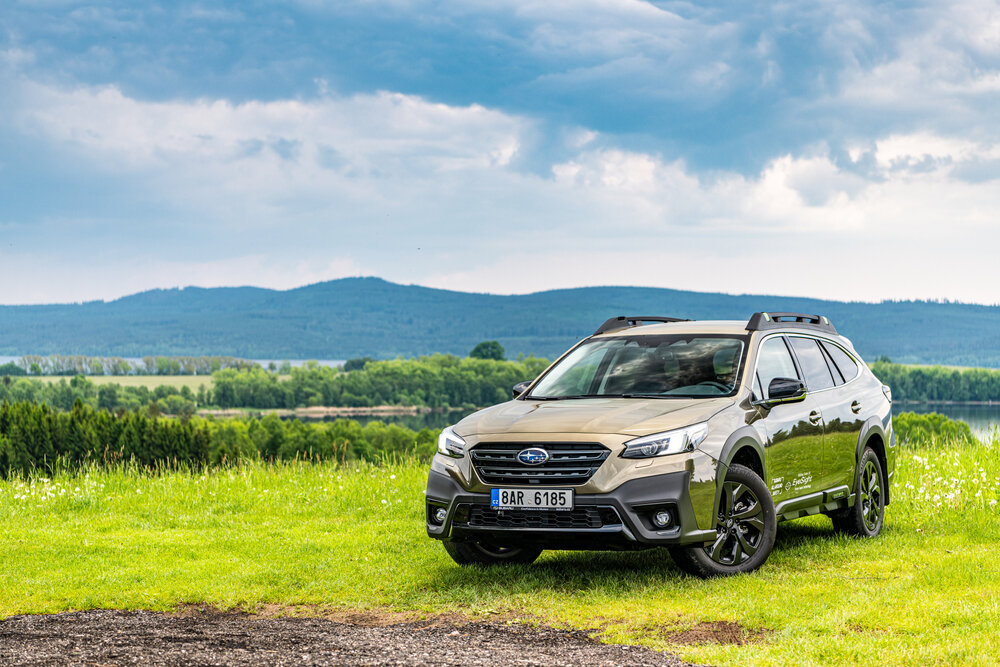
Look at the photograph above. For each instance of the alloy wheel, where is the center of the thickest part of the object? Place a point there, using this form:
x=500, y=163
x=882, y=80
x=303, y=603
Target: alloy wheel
x=740, y=526
x=871, y=496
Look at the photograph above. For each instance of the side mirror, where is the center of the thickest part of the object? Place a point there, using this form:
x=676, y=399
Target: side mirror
x=520, y=388
x=785, y=390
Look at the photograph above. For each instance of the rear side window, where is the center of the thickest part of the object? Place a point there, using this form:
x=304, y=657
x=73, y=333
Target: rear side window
x=813, y=363
x=773, y=361
x=848, y=367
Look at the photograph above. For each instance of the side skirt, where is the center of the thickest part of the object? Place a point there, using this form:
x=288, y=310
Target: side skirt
x=830, y=500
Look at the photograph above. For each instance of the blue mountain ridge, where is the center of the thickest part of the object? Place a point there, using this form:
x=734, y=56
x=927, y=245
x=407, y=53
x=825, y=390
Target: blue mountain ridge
x=353, y=317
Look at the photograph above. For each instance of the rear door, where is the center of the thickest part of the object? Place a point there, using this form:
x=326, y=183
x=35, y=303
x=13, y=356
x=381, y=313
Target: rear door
x=843, y=416
x=794, y=431
x=826, y=396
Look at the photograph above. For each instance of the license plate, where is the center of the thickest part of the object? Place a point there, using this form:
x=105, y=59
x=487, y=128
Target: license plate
x=531, y=499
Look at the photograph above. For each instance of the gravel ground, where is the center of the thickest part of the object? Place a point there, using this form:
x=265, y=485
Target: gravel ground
x=111, y=637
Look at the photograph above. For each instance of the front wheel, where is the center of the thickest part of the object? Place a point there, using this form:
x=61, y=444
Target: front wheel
x=865, y=518
x=746, y=526
x=486, y=553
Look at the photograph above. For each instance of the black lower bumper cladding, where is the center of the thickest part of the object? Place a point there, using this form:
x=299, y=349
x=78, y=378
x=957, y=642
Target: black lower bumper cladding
x=621, y=519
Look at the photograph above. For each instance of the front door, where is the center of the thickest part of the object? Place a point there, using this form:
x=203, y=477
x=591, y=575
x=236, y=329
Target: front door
x=794, y=431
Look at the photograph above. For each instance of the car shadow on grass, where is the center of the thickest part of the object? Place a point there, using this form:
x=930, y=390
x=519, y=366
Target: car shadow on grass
x=809, y=540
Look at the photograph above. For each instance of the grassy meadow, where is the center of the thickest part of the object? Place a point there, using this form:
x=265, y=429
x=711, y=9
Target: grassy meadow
x=926, y=592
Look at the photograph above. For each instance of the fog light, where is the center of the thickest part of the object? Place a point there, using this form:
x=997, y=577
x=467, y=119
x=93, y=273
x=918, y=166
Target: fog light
x=440, y=514
x=662, y=519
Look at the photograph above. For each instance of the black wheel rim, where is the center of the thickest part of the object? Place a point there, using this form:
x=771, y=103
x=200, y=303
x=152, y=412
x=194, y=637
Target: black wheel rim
x=871, y=496
x=740, y=527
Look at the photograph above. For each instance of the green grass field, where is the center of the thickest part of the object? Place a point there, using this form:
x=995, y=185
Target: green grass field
x=926, y=592
x=149, y=381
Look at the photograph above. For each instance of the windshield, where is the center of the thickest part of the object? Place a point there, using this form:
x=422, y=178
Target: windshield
x=646, y=367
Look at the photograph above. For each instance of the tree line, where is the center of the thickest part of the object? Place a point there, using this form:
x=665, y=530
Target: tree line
x=438, y=381
x=113, y=397
x=938, y=383
x=75, y=364
x=37, y=439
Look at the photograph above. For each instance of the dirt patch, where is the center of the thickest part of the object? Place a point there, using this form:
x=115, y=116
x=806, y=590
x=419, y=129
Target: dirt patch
x=716, y=632
x=205, y=636
x=367, y=618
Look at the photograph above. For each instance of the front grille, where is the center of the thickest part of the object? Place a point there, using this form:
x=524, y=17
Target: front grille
x=484, y=516
x=569, y=462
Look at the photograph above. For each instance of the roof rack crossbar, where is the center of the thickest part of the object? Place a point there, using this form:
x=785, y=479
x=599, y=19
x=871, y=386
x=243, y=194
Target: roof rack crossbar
x=763, y=320
x=626, y=321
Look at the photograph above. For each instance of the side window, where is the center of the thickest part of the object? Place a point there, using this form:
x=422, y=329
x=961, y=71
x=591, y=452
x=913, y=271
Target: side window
x=848, y=367
x=578, y=378
x=838, y=378
x=774, y=361
x=813, y=363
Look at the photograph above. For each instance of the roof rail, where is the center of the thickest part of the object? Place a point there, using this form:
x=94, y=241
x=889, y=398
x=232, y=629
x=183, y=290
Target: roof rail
x=626, y=321
x=760, y=321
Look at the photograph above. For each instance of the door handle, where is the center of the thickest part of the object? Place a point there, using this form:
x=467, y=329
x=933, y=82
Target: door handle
x=856, y=407
x=814, y=417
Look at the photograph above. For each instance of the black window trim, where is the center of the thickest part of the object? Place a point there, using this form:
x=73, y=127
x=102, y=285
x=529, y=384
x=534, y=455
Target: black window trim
x=820, y=339
x=798, y=368
x=838, y=376
x=791, y=353
x=857, y=362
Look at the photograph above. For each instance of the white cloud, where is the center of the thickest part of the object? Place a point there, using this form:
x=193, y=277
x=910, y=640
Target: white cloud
x=940, y=66
x=269, y=161
x=394, y=185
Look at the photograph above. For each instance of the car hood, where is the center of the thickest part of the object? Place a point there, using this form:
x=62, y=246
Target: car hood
x=624, y=416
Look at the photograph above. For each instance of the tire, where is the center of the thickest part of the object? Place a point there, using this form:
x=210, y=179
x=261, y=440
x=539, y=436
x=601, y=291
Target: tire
x=866, y=517
x=745, y=530
x=484, y=553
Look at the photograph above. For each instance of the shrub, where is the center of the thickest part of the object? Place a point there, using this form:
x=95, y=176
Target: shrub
x=921, y=430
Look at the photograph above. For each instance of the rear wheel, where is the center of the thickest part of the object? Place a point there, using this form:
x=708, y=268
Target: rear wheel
x=865, y=518
x=745, y=529
x=486, y=553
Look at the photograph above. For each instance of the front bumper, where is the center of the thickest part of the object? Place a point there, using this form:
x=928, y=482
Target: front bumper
x=620, y=519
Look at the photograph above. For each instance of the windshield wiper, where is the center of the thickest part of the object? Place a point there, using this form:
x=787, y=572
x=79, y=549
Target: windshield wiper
x=629, y=395
x=645, y=396
x=560, y=398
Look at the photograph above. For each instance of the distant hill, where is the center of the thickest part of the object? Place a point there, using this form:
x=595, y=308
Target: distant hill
x=355, y=317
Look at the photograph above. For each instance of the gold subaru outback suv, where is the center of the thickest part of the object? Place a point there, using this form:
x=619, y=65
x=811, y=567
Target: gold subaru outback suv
x=696, y=436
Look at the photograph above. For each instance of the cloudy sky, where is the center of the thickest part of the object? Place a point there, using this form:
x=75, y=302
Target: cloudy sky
x=830, y=149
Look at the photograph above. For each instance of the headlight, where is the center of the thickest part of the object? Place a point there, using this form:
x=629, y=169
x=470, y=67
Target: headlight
x=668, y=442
x=451, y=444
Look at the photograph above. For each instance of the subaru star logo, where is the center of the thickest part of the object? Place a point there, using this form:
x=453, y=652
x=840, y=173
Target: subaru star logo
x=533, y=456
